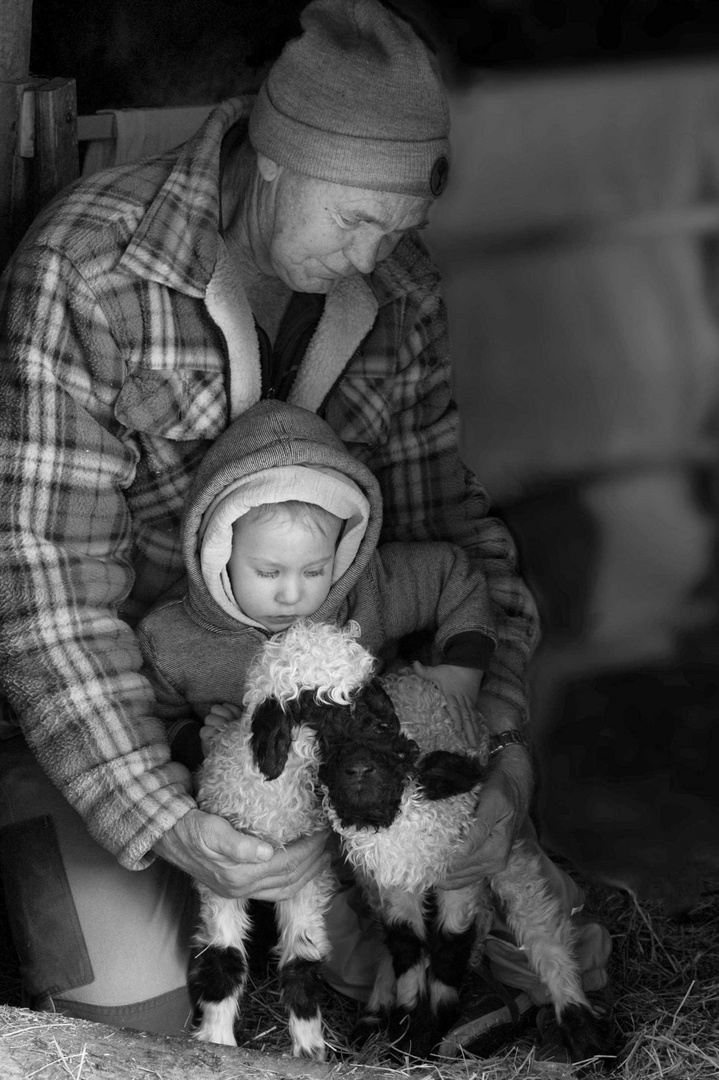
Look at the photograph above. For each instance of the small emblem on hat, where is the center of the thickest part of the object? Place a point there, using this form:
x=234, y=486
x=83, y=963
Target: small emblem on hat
x=438, y=176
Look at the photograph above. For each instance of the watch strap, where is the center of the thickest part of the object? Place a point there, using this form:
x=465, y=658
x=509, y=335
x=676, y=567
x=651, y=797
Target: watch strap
x=504, y=739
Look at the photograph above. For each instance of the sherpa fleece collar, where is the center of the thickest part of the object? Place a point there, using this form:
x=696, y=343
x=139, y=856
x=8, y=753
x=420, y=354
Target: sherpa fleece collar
x=188, y=205
x=349, y=314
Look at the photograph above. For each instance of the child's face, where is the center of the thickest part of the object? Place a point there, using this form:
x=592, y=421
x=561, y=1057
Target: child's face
x=281, y=569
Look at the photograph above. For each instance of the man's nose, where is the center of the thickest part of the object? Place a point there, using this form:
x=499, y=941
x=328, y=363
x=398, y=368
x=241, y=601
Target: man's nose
x=364, y=252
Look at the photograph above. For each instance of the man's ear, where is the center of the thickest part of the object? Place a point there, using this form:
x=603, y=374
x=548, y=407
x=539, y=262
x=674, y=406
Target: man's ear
x=271, y=737
x=268, y=169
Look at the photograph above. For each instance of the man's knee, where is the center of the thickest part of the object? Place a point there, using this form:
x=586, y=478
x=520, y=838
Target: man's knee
x=87, y=931
x=167, y=1014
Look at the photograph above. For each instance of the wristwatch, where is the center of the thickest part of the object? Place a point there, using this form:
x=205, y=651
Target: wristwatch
x=504, y=739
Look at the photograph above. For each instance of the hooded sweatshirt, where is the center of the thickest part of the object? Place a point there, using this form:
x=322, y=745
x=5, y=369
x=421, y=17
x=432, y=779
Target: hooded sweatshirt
x=197, y=643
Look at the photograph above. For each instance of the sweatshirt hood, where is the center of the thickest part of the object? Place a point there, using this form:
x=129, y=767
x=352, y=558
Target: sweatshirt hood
x=272, y=453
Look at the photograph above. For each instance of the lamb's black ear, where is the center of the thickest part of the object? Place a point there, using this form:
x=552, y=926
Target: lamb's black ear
x=378, y=698
x=271, y=737
x=443, y=773
x=311, y=712
x=373, y=697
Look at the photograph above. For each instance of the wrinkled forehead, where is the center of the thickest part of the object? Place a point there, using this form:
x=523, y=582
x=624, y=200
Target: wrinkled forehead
x=384, y=208
x=389, y=211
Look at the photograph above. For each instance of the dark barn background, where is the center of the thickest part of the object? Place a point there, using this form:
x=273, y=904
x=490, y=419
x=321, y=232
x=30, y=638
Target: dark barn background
x=130, y=53
x=578, y=242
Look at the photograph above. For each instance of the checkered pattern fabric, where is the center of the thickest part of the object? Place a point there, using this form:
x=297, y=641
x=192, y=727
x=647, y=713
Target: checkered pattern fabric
x=113, y=382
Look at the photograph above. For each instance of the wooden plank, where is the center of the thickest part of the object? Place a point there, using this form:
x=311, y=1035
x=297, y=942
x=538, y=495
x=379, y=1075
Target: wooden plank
x=99, y=126
x=53, y=1047
x=56, y=158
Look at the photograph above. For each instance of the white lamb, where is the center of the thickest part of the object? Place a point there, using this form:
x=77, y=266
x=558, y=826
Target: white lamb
x=262, y=777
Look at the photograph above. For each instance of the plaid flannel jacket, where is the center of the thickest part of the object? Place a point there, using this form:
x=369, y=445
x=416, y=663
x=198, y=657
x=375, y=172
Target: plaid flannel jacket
x=113, y=381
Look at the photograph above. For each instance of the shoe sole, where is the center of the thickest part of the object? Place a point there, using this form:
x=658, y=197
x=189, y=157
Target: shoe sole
x=481, y=1037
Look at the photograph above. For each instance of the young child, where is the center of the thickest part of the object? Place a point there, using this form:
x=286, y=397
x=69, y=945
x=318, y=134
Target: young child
x=283, y=523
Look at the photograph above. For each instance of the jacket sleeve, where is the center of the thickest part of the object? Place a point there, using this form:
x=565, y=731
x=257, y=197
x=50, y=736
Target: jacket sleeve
x=434, y=586
x=408, y=436
x=69, y=666
x=182, y=726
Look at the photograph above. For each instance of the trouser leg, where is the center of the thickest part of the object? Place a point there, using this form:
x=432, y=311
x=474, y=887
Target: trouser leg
x=93, y=939
x=356, y=939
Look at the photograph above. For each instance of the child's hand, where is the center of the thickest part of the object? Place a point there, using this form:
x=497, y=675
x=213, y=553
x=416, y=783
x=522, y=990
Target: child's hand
x=217, y=718
x=460, y=686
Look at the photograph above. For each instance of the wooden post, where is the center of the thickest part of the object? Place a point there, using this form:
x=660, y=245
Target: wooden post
x=15, y=171
x=38, y=130
x=16, y=23
x=56, y=158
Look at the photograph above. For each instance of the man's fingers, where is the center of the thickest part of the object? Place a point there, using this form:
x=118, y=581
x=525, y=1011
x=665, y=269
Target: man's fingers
x=279, y=879
x=220, y=839
x=282, y=891
x=288, y=884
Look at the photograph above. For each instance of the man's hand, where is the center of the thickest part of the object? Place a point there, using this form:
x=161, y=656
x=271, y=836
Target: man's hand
x=500, y=810
x=234, y=864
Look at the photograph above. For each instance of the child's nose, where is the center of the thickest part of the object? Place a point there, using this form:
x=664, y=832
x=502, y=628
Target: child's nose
x=290, y=591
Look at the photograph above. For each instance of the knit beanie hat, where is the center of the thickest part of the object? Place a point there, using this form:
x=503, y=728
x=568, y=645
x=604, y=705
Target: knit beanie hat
x=357, y=99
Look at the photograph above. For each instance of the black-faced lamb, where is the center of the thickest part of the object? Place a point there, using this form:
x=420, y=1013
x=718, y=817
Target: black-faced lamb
x=431, y=932
x=278, y=804
x=400, y=787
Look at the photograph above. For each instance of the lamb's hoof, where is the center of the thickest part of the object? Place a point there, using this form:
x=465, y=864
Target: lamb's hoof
x=315, y=1053
x=412, y=1035
x=584, y=1034
x=307, y=1038
x=210, y=1035
x=367, y=1027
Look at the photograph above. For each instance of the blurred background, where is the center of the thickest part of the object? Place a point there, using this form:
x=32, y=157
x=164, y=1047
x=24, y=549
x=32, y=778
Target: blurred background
x=578, y=244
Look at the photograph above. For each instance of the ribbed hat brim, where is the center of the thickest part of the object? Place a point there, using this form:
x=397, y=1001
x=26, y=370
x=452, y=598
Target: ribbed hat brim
x=356, y=100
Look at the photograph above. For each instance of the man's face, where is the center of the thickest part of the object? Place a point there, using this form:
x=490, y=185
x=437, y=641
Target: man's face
x=314, y=232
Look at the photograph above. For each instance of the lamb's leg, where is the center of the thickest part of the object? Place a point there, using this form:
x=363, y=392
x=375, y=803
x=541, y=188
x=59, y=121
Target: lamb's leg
x=405, y=935
x=540, y=926
x=482, y=924
x=451, y=937
x=218, y=968
x=384, y=990
x=302, y=948
x=381, y=1002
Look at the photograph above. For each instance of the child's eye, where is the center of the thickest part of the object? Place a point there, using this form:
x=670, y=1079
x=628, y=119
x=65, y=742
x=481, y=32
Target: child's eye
x=316, y=573
x=266, y=573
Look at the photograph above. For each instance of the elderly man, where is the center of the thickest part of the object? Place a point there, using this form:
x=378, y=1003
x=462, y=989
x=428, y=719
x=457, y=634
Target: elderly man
x=274, y=254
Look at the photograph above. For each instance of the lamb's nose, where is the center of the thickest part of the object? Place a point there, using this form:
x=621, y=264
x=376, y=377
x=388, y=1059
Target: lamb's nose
x=357, y=770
